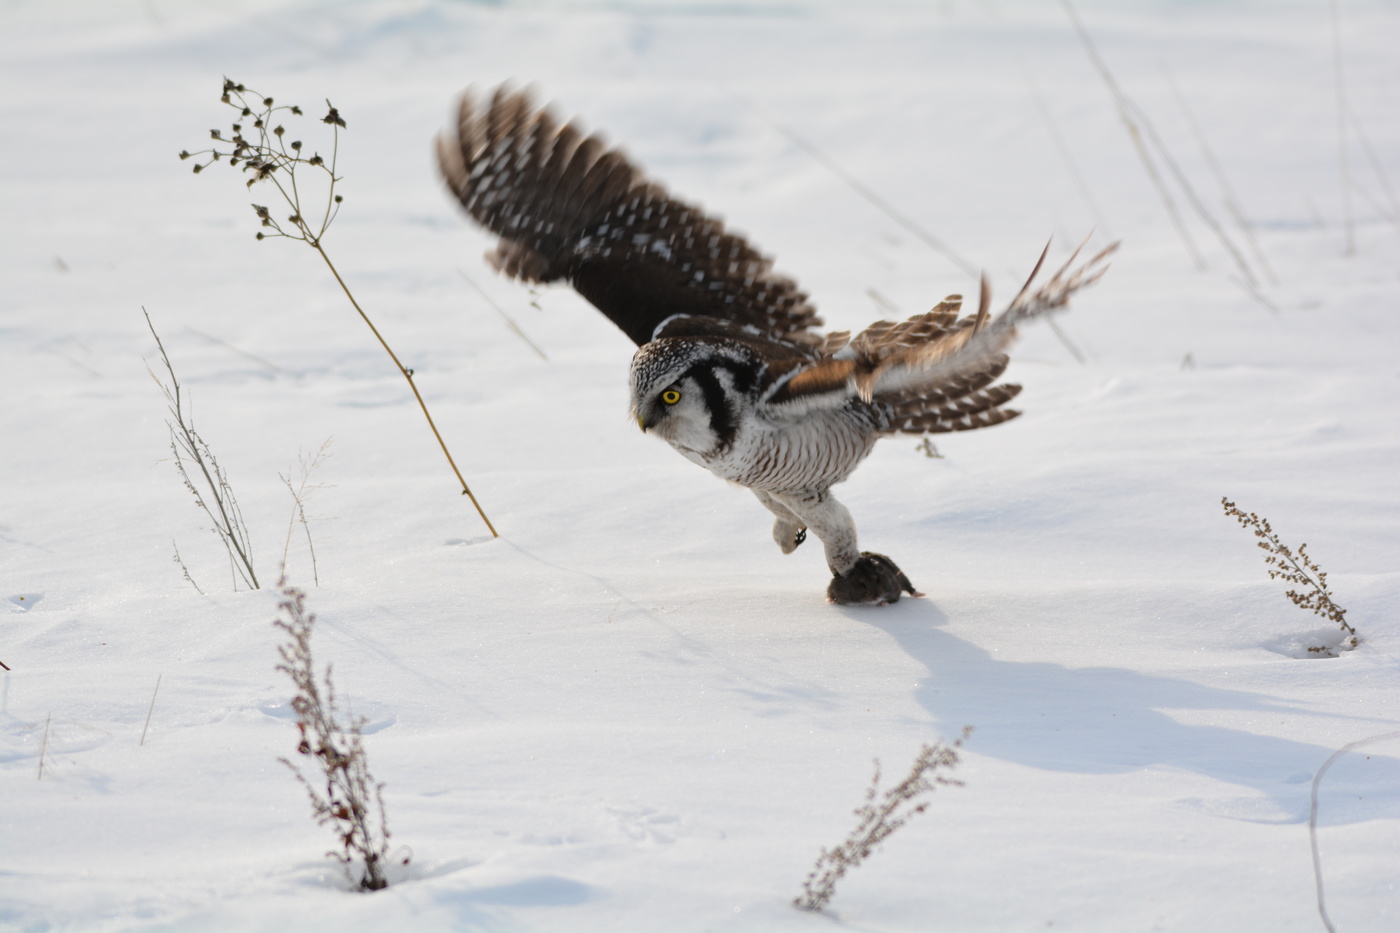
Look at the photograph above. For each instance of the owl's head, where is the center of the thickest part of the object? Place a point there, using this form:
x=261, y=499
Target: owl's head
x=689, y=391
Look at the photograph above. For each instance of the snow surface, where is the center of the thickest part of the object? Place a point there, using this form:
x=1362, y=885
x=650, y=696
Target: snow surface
x=631, y=712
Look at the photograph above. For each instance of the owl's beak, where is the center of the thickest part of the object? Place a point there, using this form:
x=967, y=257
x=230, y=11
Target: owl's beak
x=642, y=423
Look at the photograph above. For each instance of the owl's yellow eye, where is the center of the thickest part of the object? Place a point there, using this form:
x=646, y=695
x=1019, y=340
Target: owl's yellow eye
x=670, y=396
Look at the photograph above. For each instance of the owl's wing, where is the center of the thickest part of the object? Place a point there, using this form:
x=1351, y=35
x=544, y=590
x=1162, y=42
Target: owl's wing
x=936, y=370
x=567, y=208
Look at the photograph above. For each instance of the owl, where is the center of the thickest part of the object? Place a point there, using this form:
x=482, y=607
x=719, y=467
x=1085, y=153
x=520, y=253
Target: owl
x=730, y=369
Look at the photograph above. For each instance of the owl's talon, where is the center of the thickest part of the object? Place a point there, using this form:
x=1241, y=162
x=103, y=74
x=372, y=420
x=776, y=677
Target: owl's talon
x=788, y=535
x=873, y=580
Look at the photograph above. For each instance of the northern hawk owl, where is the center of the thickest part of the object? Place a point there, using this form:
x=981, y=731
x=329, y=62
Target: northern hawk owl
x=729, y=369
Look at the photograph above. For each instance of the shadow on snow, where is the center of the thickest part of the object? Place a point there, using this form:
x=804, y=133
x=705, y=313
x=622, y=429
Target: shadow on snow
x=1107, y=720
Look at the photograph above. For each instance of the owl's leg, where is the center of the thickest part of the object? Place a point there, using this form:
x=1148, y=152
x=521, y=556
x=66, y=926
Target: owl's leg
x=788, y=530
x=829, y=520
x=858, y=577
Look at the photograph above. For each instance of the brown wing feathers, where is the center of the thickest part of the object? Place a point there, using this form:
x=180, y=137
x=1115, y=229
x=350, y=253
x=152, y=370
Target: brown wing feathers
x=568, y=208
x=934, y=370
x=969, y=346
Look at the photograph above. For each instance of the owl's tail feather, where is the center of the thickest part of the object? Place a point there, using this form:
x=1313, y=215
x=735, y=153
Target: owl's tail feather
x=967, y=348
x=973, y=403
x=942, y=423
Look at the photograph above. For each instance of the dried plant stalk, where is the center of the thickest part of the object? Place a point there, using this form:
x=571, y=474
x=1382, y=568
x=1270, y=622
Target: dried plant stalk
x=1298, y=569
x=878, y=820
x=213, y=493
x=300, y=492
x=44, y=745
x=180, y=561
x=150, y=709
x=352, y=802
x=259, y=146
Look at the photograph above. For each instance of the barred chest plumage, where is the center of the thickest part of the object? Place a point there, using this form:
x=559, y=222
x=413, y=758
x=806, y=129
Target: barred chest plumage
x=813, y=452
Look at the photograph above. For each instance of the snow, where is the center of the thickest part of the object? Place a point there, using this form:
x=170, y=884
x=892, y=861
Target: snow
x=631, y=712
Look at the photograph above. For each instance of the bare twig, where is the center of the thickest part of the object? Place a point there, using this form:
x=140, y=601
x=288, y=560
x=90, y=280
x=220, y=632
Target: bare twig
x=884, y=303
x=861, y=189
x=1254, y=293
x=183, y=569
x=510, y=322
x=1064, y=339
x=1376, y=165
x=232, y=349
x=300, y=492
x=149, y=710
x=1192, y=197
x=1135, y=134
x=44, y=745
x=1312, y=818
x=1375, y=205
x=266, y=154
x=1232, y=203
x=1136, y=120
x=1070, y=165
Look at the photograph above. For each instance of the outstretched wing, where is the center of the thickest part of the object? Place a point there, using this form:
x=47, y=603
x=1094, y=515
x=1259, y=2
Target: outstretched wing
x=567, y=208
x=935, y=371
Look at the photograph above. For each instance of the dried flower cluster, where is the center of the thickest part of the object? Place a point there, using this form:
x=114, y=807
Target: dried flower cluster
x=1299, y=569
x=258, y=145
x=880, y=819
x=213, y=493
x=352, y=802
